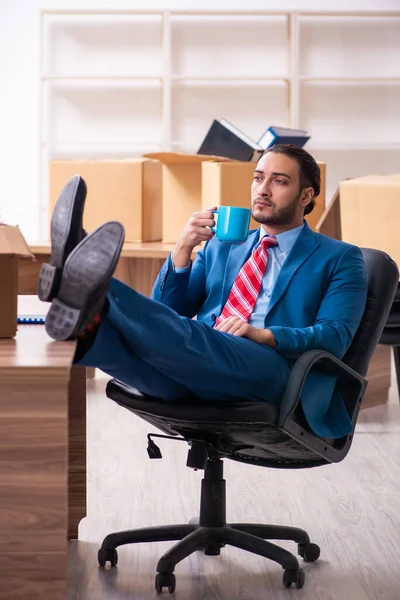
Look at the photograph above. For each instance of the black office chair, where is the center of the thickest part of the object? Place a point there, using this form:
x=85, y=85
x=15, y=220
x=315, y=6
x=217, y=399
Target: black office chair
x=391, y=334
x=258, y=434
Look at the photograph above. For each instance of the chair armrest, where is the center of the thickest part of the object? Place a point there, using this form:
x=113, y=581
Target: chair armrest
x=328, y=363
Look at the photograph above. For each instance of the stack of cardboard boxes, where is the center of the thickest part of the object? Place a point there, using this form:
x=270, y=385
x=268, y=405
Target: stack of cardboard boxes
x=155, y=195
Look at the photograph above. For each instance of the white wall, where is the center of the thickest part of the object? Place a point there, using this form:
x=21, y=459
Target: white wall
x=19, y=91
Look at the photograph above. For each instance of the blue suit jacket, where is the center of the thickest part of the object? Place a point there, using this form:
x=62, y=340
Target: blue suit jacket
x=317, y=302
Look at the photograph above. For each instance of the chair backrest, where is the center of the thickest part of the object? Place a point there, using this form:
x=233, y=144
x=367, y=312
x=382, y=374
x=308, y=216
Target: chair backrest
x=382, y=280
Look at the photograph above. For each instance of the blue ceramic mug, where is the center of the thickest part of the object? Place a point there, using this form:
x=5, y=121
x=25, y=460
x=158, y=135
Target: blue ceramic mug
x=232, y=224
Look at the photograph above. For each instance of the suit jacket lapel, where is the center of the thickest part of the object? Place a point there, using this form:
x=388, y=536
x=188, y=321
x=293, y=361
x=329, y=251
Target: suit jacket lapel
x=305, y=245
x=238, y=254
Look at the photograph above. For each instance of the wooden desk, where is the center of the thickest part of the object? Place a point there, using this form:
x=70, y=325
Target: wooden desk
x=42, y=462
x=130, y=250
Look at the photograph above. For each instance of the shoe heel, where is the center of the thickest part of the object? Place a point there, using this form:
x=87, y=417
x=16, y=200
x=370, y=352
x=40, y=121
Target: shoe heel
x=62, y=321
x=48, y=282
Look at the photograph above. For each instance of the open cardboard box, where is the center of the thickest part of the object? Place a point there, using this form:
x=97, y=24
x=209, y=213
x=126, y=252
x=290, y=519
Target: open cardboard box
x=12, y=246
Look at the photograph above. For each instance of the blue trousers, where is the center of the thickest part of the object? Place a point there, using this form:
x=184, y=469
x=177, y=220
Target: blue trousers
x=148, y=346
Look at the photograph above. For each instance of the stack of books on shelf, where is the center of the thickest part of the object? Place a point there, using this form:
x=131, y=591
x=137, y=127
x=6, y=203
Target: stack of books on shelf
x=224, y=139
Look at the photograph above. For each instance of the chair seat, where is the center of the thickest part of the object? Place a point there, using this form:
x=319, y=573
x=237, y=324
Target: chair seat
x=241, y=430
x=195, y=410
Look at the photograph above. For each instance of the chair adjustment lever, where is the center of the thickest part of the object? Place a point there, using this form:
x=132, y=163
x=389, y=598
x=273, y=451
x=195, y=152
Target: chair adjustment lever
x=153, y=450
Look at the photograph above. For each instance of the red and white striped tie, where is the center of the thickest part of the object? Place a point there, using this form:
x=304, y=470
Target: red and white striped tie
x=246, y=288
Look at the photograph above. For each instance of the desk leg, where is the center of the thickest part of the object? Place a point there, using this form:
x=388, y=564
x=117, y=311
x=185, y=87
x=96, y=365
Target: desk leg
x=76, y=449
x=33, y=483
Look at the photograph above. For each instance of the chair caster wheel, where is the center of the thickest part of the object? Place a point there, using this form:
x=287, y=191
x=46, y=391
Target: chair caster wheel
x=294, y=576
x=165, y=580
x=105, y=555
x=310, y=552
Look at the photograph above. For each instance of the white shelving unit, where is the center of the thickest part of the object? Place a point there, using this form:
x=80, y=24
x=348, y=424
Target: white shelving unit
x=118, y=83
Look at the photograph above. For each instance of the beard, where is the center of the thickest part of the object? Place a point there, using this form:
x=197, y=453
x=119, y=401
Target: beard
x=282, y=216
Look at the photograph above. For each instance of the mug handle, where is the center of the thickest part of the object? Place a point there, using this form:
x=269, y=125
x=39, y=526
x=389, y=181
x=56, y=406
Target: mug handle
x=212, y=228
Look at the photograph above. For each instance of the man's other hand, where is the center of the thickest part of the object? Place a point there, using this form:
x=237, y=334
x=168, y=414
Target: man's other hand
x=196, y=231
x=236, y=326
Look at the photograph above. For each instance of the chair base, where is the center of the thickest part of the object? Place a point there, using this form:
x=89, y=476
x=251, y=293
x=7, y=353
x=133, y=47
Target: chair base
x=192, y=537
x=211, y=532
x=247, y=536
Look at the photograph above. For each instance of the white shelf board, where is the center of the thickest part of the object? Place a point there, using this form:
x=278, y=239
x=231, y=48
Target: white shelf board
x=101, y=82
x=109, y=143
x=229, y=12
x=231, y=16
x=352, y=16
x=106, y=77
x=343, y=147
x=89, y=17
x=101, y=150
x=351, y=80
x=81, y=13
x=228, y=81
x=233, y=79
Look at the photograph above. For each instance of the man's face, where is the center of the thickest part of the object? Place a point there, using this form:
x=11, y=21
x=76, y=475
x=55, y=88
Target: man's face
x=276, y=198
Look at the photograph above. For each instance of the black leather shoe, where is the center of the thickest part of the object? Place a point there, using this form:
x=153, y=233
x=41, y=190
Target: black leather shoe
x=66, y=233
x=85, y=281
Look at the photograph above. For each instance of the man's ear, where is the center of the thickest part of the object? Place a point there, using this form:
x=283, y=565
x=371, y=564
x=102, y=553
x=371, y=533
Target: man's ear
x=306, y=196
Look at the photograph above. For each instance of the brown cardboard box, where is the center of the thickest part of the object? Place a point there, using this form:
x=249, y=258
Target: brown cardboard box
x=228, y=184
x=128, y=190
x=12, y=245
x=182, y=175
x=370, y=213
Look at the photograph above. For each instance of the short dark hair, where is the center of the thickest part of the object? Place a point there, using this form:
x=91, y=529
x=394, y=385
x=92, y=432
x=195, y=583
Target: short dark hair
x=310, y=174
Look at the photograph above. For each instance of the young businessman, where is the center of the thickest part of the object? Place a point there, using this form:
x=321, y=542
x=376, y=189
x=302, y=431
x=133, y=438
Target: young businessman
x=259, y=305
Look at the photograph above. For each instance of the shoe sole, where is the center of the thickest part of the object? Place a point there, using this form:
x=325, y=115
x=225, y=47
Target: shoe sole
x=69, y=206
x=85, y=279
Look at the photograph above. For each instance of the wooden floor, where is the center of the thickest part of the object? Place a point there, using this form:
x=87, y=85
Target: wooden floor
x=352, y=510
